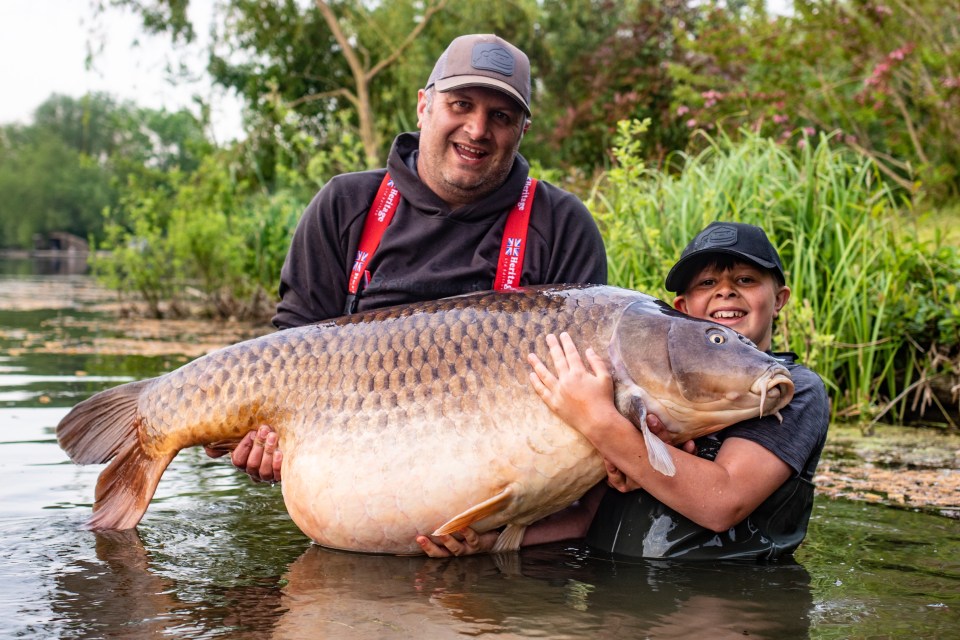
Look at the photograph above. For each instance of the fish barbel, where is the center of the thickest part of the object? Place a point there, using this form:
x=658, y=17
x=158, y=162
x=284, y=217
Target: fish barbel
x=421, y=419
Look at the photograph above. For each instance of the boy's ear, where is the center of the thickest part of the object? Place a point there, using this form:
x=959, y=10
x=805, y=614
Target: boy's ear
x=680, y=304
x=782, y=295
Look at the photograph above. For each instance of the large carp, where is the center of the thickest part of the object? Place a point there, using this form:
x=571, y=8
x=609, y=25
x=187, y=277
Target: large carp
x=421, y=419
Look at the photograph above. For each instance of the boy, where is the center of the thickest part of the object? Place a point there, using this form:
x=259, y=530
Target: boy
x=744, y=492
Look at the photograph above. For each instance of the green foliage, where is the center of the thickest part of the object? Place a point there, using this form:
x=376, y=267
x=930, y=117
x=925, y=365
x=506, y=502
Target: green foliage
x=866, y=299
x=209, y=242
x=885, y=76
x=59, y=173
x=604, y=61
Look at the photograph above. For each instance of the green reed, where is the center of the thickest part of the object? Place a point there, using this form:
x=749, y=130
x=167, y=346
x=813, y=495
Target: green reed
x=864, y=294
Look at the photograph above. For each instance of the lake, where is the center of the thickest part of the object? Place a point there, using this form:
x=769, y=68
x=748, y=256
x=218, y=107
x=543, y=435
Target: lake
x=216, y=556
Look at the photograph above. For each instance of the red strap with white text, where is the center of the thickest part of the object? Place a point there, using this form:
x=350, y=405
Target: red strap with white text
x=381, y=213
x=513, y=245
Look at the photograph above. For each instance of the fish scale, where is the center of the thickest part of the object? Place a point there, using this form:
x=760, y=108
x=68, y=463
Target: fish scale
x=420, y=419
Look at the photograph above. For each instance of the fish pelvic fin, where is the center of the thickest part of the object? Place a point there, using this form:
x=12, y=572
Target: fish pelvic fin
x=101, y=426
x=125, y=487
x=510, y=538
x=485, y=509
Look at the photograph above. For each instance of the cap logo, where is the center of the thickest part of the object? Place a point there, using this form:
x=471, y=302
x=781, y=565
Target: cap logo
x=719, y=236
x=492, y=57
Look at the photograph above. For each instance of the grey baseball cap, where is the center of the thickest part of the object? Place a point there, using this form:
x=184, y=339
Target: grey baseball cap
x=484, y=60
x=745, y=241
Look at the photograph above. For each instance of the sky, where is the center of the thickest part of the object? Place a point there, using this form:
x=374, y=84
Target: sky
x=44, y=44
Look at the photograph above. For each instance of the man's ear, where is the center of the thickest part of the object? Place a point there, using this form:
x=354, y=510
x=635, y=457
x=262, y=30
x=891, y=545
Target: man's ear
x=421, y=106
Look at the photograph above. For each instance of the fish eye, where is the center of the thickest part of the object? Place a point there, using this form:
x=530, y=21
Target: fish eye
x=716, y=337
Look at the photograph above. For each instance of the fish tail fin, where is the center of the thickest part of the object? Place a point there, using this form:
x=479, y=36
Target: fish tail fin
x=102, y=428
x=98, y=428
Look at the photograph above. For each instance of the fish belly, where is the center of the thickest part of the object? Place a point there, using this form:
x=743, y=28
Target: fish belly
x=376, y=487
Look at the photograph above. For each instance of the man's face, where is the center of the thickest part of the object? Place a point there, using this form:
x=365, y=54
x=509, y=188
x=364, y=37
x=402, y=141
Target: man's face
x=468, y=140
x=742, y=297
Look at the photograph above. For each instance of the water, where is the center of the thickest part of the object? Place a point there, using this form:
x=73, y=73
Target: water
x=217, y=557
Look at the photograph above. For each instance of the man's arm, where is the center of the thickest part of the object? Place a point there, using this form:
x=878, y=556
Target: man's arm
x=567, y=524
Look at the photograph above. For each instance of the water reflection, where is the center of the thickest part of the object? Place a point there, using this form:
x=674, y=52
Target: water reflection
x=545, y=592
x=548, y=591
x=57, y=263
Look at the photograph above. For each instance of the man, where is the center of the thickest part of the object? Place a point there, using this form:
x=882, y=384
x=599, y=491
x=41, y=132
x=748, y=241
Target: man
x=744, y=492
x=460, y=184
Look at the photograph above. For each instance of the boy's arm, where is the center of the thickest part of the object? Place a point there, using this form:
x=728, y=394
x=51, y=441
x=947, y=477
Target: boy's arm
x=715, y=494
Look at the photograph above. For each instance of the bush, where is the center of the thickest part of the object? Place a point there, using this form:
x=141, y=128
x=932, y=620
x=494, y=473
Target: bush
x=868, y=299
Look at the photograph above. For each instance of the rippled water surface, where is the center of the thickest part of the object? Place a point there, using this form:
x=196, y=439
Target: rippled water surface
x=217, y=556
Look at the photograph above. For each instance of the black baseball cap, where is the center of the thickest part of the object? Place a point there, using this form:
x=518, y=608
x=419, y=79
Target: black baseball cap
x=484, y=60
x=745, y=241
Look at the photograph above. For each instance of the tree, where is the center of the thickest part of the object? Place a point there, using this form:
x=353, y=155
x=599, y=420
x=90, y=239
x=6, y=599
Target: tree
x=884, y=76
x=64, y=170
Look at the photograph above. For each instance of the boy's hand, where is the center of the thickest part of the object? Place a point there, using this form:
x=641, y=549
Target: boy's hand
x=580, y=397
x=658, y=429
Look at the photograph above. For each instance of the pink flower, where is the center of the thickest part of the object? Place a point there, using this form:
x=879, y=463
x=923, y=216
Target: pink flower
x=692, y=122
x=711, y=97
x=683, y=110
x=779, y=118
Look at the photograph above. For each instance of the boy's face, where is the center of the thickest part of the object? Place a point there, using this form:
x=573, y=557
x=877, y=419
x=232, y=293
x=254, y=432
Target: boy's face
x=742, y=297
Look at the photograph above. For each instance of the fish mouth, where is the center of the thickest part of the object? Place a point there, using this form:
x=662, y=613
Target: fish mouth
x=775, y=389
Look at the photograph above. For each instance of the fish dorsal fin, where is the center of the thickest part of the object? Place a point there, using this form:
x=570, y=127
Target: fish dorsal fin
x=485, y=509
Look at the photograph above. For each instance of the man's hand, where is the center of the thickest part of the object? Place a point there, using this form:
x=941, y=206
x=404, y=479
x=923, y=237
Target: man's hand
x=468, y=543
x=256, y=455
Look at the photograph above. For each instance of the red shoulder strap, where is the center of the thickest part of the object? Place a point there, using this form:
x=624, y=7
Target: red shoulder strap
x=513, y=246
x=381, y=213
x=509, y=265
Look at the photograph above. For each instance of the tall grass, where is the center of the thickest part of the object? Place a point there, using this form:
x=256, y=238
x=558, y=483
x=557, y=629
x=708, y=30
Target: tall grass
x=864, y=300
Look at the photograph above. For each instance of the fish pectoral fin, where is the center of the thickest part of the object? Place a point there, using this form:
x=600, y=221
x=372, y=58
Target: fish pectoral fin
x=485, y=509
x=657, y=451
